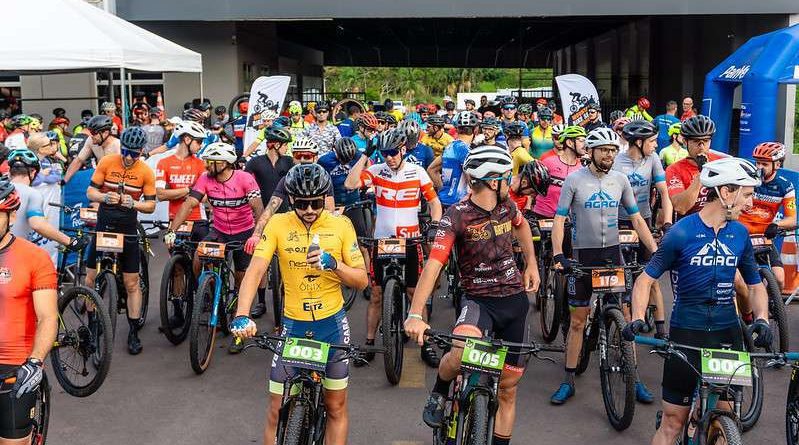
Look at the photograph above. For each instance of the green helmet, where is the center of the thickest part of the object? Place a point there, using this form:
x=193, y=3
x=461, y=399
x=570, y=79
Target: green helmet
x=571, y=132
x=675, y=128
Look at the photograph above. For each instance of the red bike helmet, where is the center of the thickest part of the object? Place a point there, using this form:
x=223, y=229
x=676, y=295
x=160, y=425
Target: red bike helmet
x=769, y=151
x=643, y=102
x=368, y=120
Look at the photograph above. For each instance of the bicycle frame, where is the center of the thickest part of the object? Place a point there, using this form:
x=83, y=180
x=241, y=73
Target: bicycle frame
x=218, y=269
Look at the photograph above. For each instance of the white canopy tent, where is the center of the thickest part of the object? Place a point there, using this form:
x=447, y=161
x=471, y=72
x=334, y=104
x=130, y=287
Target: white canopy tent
x=56, y=36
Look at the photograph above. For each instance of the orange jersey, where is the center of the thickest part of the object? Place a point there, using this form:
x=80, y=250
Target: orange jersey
x=24, y=269
x=768, y=199
x=137, y=181
x=175, y=173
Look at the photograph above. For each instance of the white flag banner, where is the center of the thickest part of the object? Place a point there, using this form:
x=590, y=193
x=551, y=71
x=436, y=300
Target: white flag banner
x=576, y=92
x=267, y=93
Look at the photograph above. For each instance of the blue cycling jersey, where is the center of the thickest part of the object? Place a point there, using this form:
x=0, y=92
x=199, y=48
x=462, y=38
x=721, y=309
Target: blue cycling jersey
x=663, y=122
x=421, y=155
x=702, y=265
x=338, y=174
x=454, y=185
x=174, y=140
x=346, y=128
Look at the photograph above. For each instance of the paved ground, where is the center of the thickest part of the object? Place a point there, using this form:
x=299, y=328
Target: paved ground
x=155, y=398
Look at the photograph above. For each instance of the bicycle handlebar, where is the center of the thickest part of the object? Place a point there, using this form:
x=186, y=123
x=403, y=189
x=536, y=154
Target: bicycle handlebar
x=410, y=240
x=268, y=341
x=531, y=348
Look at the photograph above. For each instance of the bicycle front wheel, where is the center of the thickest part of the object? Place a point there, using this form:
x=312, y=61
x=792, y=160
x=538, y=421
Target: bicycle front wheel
x=792, y=410
x=723, y=431
x=476, y=421
x=202, y=333
x=293, y=430
x=551, y=306
x=106, y=285
x=617, y=372
x=176, y=298
x=776, y=311
x=81, y=357
x=752, y=396
x=391, y=330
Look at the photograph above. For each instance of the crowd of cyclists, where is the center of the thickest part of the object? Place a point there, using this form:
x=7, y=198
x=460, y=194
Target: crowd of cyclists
x=320, y=182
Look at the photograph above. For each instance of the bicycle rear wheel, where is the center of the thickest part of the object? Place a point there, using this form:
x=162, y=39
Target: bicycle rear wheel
x=391, y=330
x=476, y=420
x=617, y=372
x=41, y=415
x=551, y=306
x=792, y=410
x=144, y=286
x=202, y=335
x=723, y=431
x=82, y=356
x=106, y=286
x=176, y=298
x=776, y=311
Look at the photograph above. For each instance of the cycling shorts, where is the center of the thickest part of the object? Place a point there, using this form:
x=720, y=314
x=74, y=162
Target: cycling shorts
x=774, y=258
x=241, y=259
x=199, y=231
x=579, y=290
x=16, y=415
x=643, y=254
x=334, y=329
x=361, y=218
x=129, y=258
x=503, y=317
x=679, y=380
x=414, y=260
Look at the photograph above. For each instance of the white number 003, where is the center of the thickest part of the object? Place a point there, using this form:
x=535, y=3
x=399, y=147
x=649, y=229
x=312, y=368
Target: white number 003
x=305, y=352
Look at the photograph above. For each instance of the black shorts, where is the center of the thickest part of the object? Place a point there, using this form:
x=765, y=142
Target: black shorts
x=361, y=218
x=129, y=258
x=679, y=380
x=643, y=254
x=774, y=257
x=414, y=260
x=503, y=317
x=241, y=260
x=16, y=415
x=199, y=231
x=579, y=290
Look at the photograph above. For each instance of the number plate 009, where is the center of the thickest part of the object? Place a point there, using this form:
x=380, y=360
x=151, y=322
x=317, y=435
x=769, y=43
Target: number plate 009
x=725, y=366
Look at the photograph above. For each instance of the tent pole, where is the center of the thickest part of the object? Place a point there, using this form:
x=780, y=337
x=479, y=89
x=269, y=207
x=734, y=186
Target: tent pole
x=111, y=93
x=123, y=96
x=202, y=96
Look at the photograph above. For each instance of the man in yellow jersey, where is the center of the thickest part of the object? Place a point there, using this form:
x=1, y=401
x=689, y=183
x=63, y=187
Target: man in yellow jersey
x=521, y=156
x=312, y=279
x=436, y=138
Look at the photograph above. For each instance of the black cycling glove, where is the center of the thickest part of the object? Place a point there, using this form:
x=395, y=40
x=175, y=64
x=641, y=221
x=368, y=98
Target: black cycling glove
x=632, y=329
x=772, y=231
x=763, y=331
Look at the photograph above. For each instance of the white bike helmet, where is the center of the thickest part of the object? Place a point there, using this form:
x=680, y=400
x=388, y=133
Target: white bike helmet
x=305, y=144
x=729, y=171
x=219, y=151
x=191, y=128
x=558, y=129
x=602, y=136
x=108, y=106
x=487, y=160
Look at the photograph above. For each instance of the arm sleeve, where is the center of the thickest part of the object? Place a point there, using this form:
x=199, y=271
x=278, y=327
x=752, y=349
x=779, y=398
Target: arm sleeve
x=674, y=181
x=445, y=236
x=367, y=175
x=350, y=252
x=268, y=244
x=789, y=202
x=516, y=217
x=173, y=141
x=658, y=174
x=426, y=185
x=628, y=197
x=98, y=177
x=198, y=191
x=43, y=275
x=35, y=204
x=566, y=196
x=747, y=265
x=251, y=186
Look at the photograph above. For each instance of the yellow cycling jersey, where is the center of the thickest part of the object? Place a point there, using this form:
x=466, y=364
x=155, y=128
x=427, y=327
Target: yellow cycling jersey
x=311, y=294
x=520, y=157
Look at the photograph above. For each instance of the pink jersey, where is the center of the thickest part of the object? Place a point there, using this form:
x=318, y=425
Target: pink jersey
x=558, y=170
x=230, y=200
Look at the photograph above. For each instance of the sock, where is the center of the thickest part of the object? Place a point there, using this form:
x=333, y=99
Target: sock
x=569, y=377
x=660, y=326
x=501, y=440
x=262, y=295
x=441, y=386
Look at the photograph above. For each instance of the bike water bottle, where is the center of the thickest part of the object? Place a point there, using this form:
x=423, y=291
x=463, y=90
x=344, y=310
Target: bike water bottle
x=314, y=244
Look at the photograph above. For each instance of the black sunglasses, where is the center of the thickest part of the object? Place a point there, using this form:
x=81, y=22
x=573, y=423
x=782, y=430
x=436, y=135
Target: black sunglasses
x=303, y=204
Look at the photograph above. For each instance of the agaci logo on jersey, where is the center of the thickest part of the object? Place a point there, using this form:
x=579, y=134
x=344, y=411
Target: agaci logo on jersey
x=601, y=200
x=715, y=253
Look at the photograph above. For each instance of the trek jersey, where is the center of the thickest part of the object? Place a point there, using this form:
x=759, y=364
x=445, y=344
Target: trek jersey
x=338, y=174
x=31, y=205
x=485, y=247
x=311, y=294
x=174, y=173
x=642, y=175
x=663, y=122
x=558, y=171
x=454, y=186
x=24, y=269
x=766, y=202
x=593, y=204
x=703, y=265
x=680, y=175
x=230, y=200
x=397, y=196
x=541, y=141
x=138, y=181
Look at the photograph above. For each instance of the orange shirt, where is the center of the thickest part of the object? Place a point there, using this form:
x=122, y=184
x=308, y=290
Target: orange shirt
x=175, y=173
x=24, y=268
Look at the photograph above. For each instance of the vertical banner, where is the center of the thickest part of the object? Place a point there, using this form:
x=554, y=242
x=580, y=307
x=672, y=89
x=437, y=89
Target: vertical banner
x=576, y=92
x=267, y=93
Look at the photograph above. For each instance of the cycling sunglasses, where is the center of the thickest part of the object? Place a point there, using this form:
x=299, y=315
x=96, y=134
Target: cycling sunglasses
x=128, y=152
x=303, y=156
x=509, y=107
x=390, y=153
x=507, y=178
x=314, y=204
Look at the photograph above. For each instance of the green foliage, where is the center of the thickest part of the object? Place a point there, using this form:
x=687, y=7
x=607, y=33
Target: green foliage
x=429, y=84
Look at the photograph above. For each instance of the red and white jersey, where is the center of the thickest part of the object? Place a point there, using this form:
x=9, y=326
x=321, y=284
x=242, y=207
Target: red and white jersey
x=398, y=194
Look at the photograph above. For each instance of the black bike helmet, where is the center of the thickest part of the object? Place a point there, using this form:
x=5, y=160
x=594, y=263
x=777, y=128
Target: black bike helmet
x=24, y=157
x=381, y=116
x=220, y=110
x=391, y=139
x=59, y=112
x=545, y=113
x=193, y=114
x=537, y=176
x=133, y=138
x=514, y=130
x=450, y=105
x=9, y=199
x=436, y=120
x=307, y=181
x=639, y=130
x=278, y=134
x=699, y=126
x=490, y=122
x=345, y=150
x=508, y=100
x=100, y=123
x=391, y=120
x=465, y=119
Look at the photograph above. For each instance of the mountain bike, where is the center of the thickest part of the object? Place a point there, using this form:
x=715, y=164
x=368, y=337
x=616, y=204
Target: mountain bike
x=214, y=304
x=303, y=416
x=629, y=242
x=177, y=286
x=41, y=409
x=395, y=301
x=552, y=292
x=776, y=309
x=472, y=401
x=366, y=207
x=602, y=333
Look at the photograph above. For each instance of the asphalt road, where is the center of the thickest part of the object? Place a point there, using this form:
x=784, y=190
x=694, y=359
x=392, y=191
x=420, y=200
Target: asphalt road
x=155, y=398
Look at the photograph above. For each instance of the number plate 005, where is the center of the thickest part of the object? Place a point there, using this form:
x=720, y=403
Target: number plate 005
x=305, y=353
x=481, y=356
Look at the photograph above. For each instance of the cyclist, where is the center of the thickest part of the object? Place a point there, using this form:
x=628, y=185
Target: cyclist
x=523, y=113
x=482, y=228
x=417, y=153
x=489, y=131
x=118, y=184
x=319, y=309
x=98, y=145
x=557, y=119
x=28, y=321
x=557, y=129
x=514, y=132
x=541, y=135
x=532, y=181
x=685, y=187
x=398, y=186
x=560, y=167
x=591, y=197
x=594, y=117
x=110, y=110
x=508, y=111
x=676, y=150
x=268, y=119
x=642, y=167
x=238, y=126
x=366, y=130
x=297, y=126
x=18, y=138
x=639, y=109
x=446, y=171
x=664, y=122
x=704, y=250
x=323, y=132
x=435, y=137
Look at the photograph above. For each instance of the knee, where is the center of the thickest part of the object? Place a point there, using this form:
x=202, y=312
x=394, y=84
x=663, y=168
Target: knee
x=507, y=394
x=577, y=322
x=336, y=407
x=274, y=412
x=131, y=282
x=671, y=424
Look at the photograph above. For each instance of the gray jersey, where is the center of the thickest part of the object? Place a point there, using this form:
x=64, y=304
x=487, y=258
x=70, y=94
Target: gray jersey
x=592, y=203
x=642, y=175
x=31, y=205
